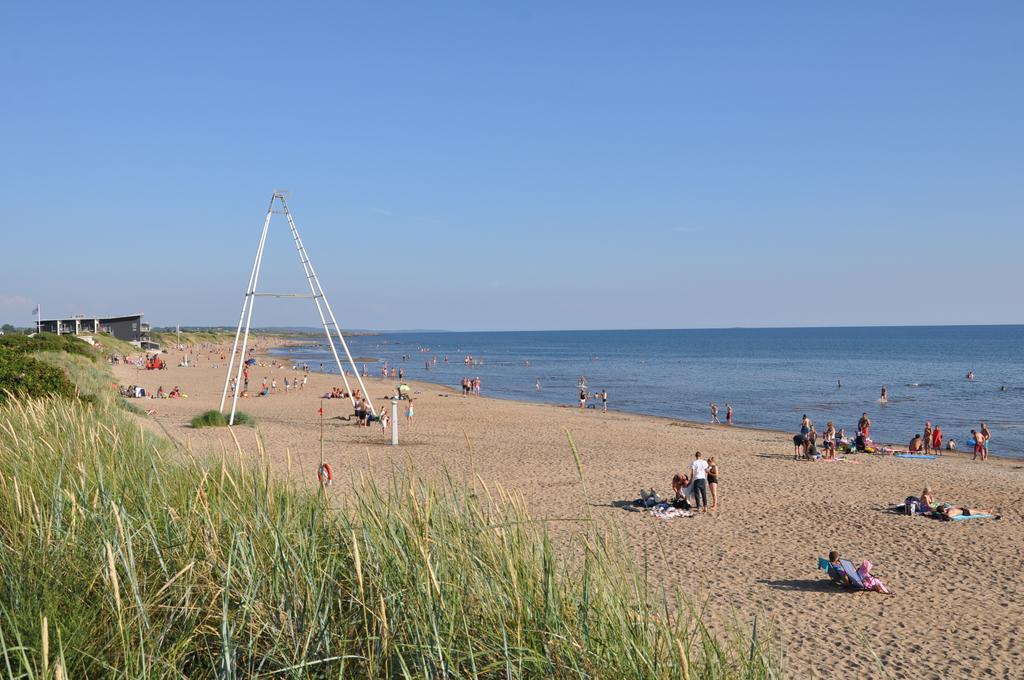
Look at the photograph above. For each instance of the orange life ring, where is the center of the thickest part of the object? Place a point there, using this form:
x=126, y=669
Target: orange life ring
x=325, y=475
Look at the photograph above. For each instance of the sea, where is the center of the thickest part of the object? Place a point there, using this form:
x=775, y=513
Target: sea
x=770, y=376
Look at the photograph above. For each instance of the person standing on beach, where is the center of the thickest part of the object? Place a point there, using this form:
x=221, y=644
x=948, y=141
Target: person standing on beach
x=728, y=421
x=937, y=439
x=583, y=398
x=979, y=445
x=985, y=436
x=604, y=400
x=409, y=414
x=927, y=437
x=713, y=481
x=699, y=468
x=864, y=425
x=714, y=413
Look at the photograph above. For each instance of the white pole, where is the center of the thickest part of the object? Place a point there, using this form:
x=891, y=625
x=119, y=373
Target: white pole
x=307, y=267
x=246, y=299
x=248, y=313
x=318, y=293
x=394, y=421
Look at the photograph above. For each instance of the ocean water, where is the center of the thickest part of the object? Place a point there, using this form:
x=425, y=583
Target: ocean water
x=770, y=376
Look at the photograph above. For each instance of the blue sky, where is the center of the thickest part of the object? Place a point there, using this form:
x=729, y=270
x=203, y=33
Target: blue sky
x=518, y=165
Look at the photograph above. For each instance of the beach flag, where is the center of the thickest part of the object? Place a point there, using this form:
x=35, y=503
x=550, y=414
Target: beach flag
x=321, y=411
x=36, y=310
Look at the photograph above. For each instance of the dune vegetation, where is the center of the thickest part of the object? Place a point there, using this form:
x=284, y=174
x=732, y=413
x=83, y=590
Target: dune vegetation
x=122, y=555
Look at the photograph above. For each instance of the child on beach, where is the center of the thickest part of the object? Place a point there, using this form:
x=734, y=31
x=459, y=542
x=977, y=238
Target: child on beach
x=869, y=581
x=835, y=569
x=728, y=414
x=409, y=414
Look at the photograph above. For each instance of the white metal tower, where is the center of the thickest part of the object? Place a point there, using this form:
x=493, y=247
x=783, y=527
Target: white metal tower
x=323, y=307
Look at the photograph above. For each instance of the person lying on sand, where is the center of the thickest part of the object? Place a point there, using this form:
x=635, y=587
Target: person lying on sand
x=947, y=511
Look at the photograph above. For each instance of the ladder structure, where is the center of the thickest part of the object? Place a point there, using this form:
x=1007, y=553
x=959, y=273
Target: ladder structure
x=323, y=307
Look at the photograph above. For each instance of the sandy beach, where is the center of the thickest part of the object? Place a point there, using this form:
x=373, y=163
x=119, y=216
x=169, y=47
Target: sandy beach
x=958, y=607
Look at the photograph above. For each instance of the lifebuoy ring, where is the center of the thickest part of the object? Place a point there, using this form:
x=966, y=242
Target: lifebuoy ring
x=325, y=475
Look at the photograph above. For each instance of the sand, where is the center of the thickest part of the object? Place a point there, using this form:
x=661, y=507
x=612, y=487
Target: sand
x=958, y=608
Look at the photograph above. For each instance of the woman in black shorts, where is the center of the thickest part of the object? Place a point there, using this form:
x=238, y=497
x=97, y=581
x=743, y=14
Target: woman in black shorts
x=713, y=481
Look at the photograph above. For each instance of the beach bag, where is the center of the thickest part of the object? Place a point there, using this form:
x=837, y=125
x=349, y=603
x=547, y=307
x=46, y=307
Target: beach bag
x=910, y=505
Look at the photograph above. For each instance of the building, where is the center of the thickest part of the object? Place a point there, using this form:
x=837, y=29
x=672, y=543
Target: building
x=129, y=328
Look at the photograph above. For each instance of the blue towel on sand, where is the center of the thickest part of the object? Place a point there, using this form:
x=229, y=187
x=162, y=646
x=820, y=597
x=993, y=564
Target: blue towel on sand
x=963, y=517
x=920, y=456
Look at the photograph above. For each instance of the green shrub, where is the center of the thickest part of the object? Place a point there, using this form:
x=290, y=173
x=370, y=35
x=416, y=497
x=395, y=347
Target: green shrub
x=26, y=376
x=48, y=342
x=217, y=419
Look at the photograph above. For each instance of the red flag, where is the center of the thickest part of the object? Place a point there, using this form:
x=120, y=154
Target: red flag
x=321, y=411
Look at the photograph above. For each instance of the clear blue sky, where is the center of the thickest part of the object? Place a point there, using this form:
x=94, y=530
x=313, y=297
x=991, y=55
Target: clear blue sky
x=519, y=165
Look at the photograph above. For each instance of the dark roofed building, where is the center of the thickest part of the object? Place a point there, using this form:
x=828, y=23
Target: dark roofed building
x=130, y=328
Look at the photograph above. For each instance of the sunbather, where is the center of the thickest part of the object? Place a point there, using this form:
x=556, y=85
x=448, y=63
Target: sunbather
x=947, y=511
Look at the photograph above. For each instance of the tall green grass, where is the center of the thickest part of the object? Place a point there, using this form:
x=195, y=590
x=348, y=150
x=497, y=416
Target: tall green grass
x=120, y=558
x=214, y=418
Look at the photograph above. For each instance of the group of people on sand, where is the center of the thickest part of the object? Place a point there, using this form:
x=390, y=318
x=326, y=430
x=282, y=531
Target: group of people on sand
x=930, y=441
x=925, y=504
x=839, y=575
x=805, y=443
x=981, y=438
x=697, y=481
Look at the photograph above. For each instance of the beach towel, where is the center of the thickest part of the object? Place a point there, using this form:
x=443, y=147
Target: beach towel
x=919, y=456
x=666, y=511
x=981, y=515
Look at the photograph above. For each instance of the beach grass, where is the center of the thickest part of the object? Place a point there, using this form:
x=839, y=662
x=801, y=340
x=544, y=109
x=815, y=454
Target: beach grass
x=214, y=418
x=122, y=556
